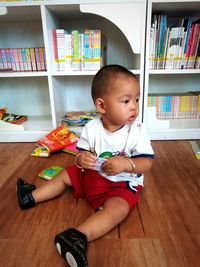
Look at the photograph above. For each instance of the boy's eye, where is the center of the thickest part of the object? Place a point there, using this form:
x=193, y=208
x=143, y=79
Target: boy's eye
x=137, y=100
x=126, y=101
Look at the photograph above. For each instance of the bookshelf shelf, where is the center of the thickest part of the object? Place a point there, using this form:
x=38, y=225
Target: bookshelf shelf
x=46, y=96
x=23, y=74
x=162, y=82
x=174, y=72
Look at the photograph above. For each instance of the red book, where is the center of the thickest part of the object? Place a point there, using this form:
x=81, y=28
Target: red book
x=58, y=138
x=71, y=149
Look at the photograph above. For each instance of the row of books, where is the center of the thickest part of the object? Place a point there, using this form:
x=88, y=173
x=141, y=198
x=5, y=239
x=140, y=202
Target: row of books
x=22, y=59
x=174, y=47
x=176, y=106
x=78, y=51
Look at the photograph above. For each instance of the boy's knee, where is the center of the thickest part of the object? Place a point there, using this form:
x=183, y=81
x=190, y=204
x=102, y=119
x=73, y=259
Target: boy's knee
x=119, y=205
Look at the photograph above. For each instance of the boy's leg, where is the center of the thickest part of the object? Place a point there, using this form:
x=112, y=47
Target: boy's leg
x=52, y=188
x=114, y=211
x=72, y=243
x=28, y=196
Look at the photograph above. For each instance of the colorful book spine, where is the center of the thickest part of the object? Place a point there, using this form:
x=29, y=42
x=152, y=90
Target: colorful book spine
x=15, y=50
x=33, y=59
x=28, y=59
x=194, y=46
x=12, y=59
x=60, y=38
x=55, y=49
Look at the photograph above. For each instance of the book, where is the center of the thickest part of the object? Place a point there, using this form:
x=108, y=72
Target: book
x=195, y=148
x=2, y=112
x=58, y=138
x=78, y=118
x=14, y=118
x=40, y=151
x=50, y=172
x=71, y=149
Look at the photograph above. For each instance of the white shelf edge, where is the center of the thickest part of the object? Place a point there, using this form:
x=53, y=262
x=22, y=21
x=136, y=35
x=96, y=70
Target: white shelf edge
x=23, y=74
x=175, y=71
x=84, y=73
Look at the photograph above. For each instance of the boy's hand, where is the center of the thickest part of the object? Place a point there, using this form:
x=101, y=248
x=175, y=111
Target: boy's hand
x=114, y=165
x=86, y=160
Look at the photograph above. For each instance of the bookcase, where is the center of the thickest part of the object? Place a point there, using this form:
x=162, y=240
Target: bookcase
x=170, y=81
x=45, y=96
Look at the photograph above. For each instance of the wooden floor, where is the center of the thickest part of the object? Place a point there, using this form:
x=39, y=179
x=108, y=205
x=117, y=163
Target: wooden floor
x=163, y=230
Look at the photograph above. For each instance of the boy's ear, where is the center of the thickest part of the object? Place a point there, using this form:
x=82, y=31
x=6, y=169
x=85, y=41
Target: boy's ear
x=100, y=106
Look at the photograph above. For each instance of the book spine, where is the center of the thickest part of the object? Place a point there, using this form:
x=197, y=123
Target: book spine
x=194, y=46
x=24, y=59
x=15, y=51
x=68, y=52
x=37, y=59
x=1, y=61
x=28, y=58
x=4, y=60
x=19, y=53
x=55, y=49
x=60, y=37
x=7, y=50
x=33, y=59
x=41, y=56
x=12, y=59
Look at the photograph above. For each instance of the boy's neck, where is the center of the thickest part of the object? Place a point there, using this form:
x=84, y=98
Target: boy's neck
x=110, y=127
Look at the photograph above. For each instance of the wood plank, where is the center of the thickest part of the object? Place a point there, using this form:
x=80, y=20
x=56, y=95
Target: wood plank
x=163, y=229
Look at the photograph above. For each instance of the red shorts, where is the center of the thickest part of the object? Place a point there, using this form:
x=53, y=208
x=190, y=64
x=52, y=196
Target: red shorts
x=97, y=189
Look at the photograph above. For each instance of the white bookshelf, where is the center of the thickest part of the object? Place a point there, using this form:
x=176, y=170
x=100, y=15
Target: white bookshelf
x=170, y=81
x=46, y=96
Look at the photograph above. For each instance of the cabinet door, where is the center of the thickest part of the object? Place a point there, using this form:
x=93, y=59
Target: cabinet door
x=171, y=111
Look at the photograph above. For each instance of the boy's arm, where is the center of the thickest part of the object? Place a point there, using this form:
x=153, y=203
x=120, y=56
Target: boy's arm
x=116, y=165
x=85, y=160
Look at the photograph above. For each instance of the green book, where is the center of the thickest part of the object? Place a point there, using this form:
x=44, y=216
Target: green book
x=50, y=172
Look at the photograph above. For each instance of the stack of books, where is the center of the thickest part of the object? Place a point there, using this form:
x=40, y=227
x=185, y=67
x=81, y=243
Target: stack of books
x=78, y=51
x=78, y=118
x=10, y=121
x=22, y=59
x=59, y=139
x=176, y=106
x=174, y=47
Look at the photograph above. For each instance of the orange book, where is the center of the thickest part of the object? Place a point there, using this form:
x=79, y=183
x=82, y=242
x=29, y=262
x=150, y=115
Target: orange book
x=58, y=138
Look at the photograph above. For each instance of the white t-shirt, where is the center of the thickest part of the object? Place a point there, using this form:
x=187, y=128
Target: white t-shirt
x=130, y=141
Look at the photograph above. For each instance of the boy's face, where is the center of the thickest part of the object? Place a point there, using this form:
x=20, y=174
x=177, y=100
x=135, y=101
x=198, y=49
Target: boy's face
x=121, y=103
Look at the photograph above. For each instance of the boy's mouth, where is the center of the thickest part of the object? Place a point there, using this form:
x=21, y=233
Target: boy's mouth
x=132, y=118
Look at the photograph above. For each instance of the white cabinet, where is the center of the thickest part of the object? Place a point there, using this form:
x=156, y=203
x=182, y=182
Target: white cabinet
x=170, y=81
x=46, y=96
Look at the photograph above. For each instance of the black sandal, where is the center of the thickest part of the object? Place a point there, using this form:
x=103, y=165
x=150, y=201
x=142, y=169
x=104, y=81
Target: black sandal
x=72, y=245
x=24, y=194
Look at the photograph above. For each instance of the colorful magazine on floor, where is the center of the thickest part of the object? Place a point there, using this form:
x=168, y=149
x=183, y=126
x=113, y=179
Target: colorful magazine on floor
x=58, y=138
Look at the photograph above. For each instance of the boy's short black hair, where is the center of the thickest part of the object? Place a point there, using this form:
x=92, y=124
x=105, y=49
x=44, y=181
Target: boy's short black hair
x=106, y=75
